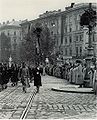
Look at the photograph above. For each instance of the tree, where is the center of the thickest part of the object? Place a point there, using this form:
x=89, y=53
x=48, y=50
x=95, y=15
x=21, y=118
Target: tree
x=89, y=17
x=5, y=47
x=37, y=34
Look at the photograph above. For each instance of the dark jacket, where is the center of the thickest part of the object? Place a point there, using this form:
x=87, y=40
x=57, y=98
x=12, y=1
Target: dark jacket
x=37, y=77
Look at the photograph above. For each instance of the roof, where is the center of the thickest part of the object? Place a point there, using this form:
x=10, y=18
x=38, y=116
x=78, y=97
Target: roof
x=12, y=23
x=15, y=23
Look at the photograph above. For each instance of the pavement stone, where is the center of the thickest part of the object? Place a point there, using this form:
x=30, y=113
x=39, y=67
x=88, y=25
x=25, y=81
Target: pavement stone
x=72, y=89
x=55, y=105
x=48, y=104
x=13, y=101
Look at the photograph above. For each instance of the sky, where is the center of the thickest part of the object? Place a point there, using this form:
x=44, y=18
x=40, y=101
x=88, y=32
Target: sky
x=31, y=9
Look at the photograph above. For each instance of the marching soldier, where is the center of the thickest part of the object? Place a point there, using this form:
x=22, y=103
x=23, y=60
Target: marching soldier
x=24, y=75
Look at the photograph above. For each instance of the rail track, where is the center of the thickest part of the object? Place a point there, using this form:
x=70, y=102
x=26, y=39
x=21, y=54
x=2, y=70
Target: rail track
x=27, y=108
x=10, y=93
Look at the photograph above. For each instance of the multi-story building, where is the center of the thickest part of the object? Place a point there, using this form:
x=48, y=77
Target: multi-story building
x=71, y=39
x=75, y=38
x=53, y=21
x=12, y=32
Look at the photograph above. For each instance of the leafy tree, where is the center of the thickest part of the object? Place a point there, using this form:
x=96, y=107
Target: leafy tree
x=5, y=47
x=37, y=34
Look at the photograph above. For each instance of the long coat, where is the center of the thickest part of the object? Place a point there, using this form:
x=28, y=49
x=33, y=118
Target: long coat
x=4, y=75
x=14, y=77
x=70, y=75
x=95, y=81
x=37, y=77
x=1, y=81
x=79, y=79
x=88, y=77
x=73, y=75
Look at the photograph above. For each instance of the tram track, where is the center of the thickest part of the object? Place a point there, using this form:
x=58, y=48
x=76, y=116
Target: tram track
x=11, y=92
x=27, y=108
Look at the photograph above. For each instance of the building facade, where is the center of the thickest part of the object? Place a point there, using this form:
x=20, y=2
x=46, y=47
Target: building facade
x=75, y=37
x=12, y=32
x=71, y=40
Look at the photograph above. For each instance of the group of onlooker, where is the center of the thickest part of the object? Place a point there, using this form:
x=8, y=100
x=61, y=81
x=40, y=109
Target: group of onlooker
x=79, y=73
x=8, y=74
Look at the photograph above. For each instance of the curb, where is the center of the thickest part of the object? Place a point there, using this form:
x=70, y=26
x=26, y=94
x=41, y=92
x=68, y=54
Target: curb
x=68, y=91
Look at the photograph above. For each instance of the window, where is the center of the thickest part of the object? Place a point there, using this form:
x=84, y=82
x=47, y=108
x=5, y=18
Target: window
x=76, y=51
x=15, y=33
x=65, y=29
x=66, y=20
x=70, y=28
x=70, y=19
x=93, y=37
x=78, y=17
x=14, y=47
x=70, y=51
x=61, y=41
x=65, y=51
x=20, y=34
x=80, y=51
x=75, y=17
x=52, y=33
x=15, y=40
x=76, y=26
x=81, y=37
x=70, y=39
x=65, y=40
x=8, y=33
x=76, y=38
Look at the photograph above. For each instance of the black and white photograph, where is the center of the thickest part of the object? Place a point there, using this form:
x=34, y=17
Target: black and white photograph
x=48, y=59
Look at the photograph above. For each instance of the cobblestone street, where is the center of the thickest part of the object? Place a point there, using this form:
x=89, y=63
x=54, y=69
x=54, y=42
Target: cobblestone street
x=47, y=104
x=52, y=104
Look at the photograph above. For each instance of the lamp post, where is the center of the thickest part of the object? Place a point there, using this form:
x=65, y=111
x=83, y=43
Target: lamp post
x=88, y=19
x=38, y=31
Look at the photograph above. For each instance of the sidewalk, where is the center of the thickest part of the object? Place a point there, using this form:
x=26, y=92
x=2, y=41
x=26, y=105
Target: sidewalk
x=71, y=88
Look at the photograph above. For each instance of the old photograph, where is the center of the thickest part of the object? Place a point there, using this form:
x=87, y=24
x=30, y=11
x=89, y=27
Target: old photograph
x=48, y=59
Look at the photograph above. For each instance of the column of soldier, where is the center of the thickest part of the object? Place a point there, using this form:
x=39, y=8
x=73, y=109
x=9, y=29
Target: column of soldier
x=16, y=73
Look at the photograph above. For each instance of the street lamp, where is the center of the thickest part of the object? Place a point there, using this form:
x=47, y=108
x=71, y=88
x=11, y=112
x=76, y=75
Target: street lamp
x=88, y=19
x=38, y=31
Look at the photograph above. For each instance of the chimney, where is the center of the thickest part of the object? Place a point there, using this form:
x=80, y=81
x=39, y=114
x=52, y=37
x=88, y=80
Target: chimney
x=7, y=22
x=59, y=10
x=13, y=20
x=46, y=11
x=72, y=4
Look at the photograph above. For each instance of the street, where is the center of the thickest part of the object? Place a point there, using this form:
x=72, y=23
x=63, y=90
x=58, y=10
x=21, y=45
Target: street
x=46, y=104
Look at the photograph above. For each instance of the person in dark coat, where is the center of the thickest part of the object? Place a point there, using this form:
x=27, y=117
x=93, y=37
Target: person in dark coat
x=14, y=77
x=4, y=76
x=1, y=81
x=37, y=78
x=24, y=75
